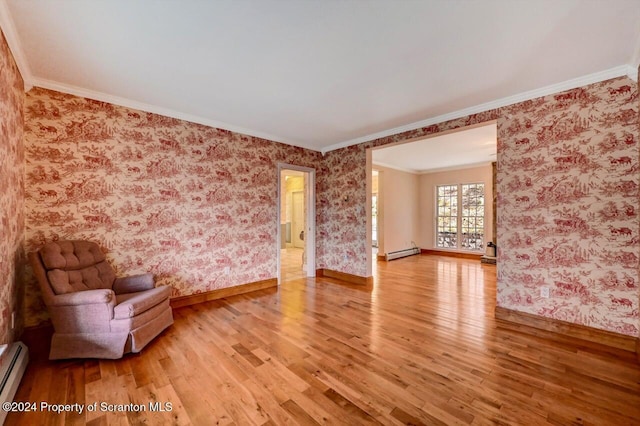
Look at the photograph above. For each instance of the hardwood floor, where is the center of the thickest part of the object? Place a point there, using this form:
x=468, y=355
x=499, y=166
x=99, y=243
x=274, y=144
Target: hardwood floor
x=291, y=264
x=420, y=346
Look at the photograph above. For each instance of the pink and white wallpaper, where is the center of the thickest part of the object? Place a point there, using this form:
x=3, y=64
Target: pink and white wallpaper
x=12, y=257
x=568, y=176
x=184, y=201
x=341, y=202
x=181, y=200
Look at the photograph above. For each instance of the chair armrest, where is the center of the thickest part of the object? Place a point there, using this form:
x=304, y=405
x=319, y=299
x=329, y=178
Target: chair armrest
x=86, y=297
x=133, y=284
x=136, y=303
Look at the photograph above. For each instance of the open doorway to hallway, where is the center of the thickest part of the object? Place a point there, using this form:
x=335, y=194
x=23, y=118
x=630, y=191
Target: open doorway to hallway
x=296, y=248
x=412, y=213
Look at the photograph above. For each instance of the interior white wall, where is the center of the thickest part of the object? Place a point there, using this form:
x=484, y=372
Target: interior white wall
x=399, y=194
x=429, y=181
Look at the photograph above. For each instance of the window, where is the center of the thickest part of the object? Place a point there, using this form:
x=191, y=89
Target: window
x=447, y=216
x=460, y=216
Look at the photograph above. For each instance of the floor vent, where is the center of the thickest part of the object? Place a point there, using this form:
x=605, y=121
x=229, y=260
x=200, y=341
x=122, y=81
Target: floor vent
x=401, y=253
x=14, y=363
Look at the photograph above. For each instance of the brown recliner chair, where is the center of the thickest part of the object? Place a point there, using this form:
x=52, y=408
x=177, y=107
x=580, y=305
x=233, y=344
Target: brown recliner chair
x=95, y=314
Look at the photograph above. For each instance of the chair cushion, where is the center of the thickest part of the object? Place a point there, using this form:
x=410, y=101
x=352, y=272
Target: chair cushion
x=76, y=266
x=132, y=304
x=90, y=278
x=71, y=255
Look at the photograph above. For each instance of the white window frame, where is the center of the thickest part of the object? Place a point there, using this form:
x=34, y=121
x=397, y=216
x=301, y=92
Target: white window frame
x=459, y=217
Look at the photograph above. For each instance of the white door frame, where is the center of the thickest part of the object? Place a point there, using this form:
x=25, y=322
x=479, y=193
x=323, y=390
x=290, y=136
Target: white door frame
x=295, y=237
x=310, y=232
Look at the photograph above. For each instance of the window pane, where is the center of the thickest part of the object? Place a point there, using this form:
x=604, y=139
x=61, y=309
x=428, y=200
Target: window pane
x=472, y=231
x=447, y=216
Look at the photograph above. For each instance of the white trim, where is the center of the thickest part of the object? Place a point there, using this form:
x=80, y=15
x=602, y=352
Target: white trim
x=436, y=170
x=623, y=70
x=310, y=234
x=130, y=103
x=11, y=35
x=391, y=166
x=453, y=168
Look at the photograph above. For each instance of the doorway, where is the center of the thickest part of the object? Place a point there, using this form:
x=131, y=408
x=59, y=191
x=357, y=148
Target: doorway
x=296, y=222
x=375, y=210
x=409, y=212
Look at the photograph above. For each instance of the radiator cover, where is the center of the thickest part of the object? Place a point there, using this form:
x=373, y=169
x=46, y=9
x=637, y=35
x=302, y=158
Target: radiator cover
x=14, y=363
x=402, y=253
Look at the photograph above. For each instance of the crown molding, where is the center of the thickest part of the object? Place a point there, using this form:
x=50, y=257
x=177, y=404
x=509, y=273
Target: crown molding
x=129, y=103
x=394, y=167
x=11, y=35
x=454, y=168
x=429, y=171
x=623, y=70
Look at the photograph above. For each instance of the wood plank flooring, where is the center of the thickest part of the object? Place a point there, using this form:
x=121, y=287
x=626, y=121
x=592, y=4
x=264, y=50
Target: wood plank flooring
x=420, y=346
x=291, y=264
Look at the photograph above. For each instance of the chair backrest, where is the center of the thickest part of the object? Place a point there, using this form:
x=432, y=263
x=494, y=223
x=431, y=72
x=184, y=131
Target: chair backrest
x=72, y=266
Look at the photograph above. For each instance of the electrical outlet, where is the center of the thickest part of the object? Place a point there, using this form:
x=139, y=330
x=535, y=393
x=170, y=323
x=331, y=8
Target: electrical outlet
x=227, y=270
x=544, y=292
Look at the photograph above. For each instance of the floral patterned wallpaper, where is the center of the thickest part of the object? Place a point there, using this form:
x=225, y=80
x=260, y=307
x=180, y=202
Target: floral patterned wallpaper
x=568, y=176
x=184, y=201
x=341, y=201
x=12, y=257
x=567, y=179
x=181, y=200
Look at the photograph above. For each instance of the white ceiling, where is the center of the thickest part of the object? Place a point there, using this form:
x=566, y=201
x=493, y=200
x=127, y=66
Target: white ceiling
x=320, y=74
x=459, y=149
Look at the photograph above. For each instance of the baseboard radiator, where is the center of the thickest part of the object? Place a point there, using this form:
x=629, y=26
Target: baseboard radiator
x=401, y=253
x=14, y=363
